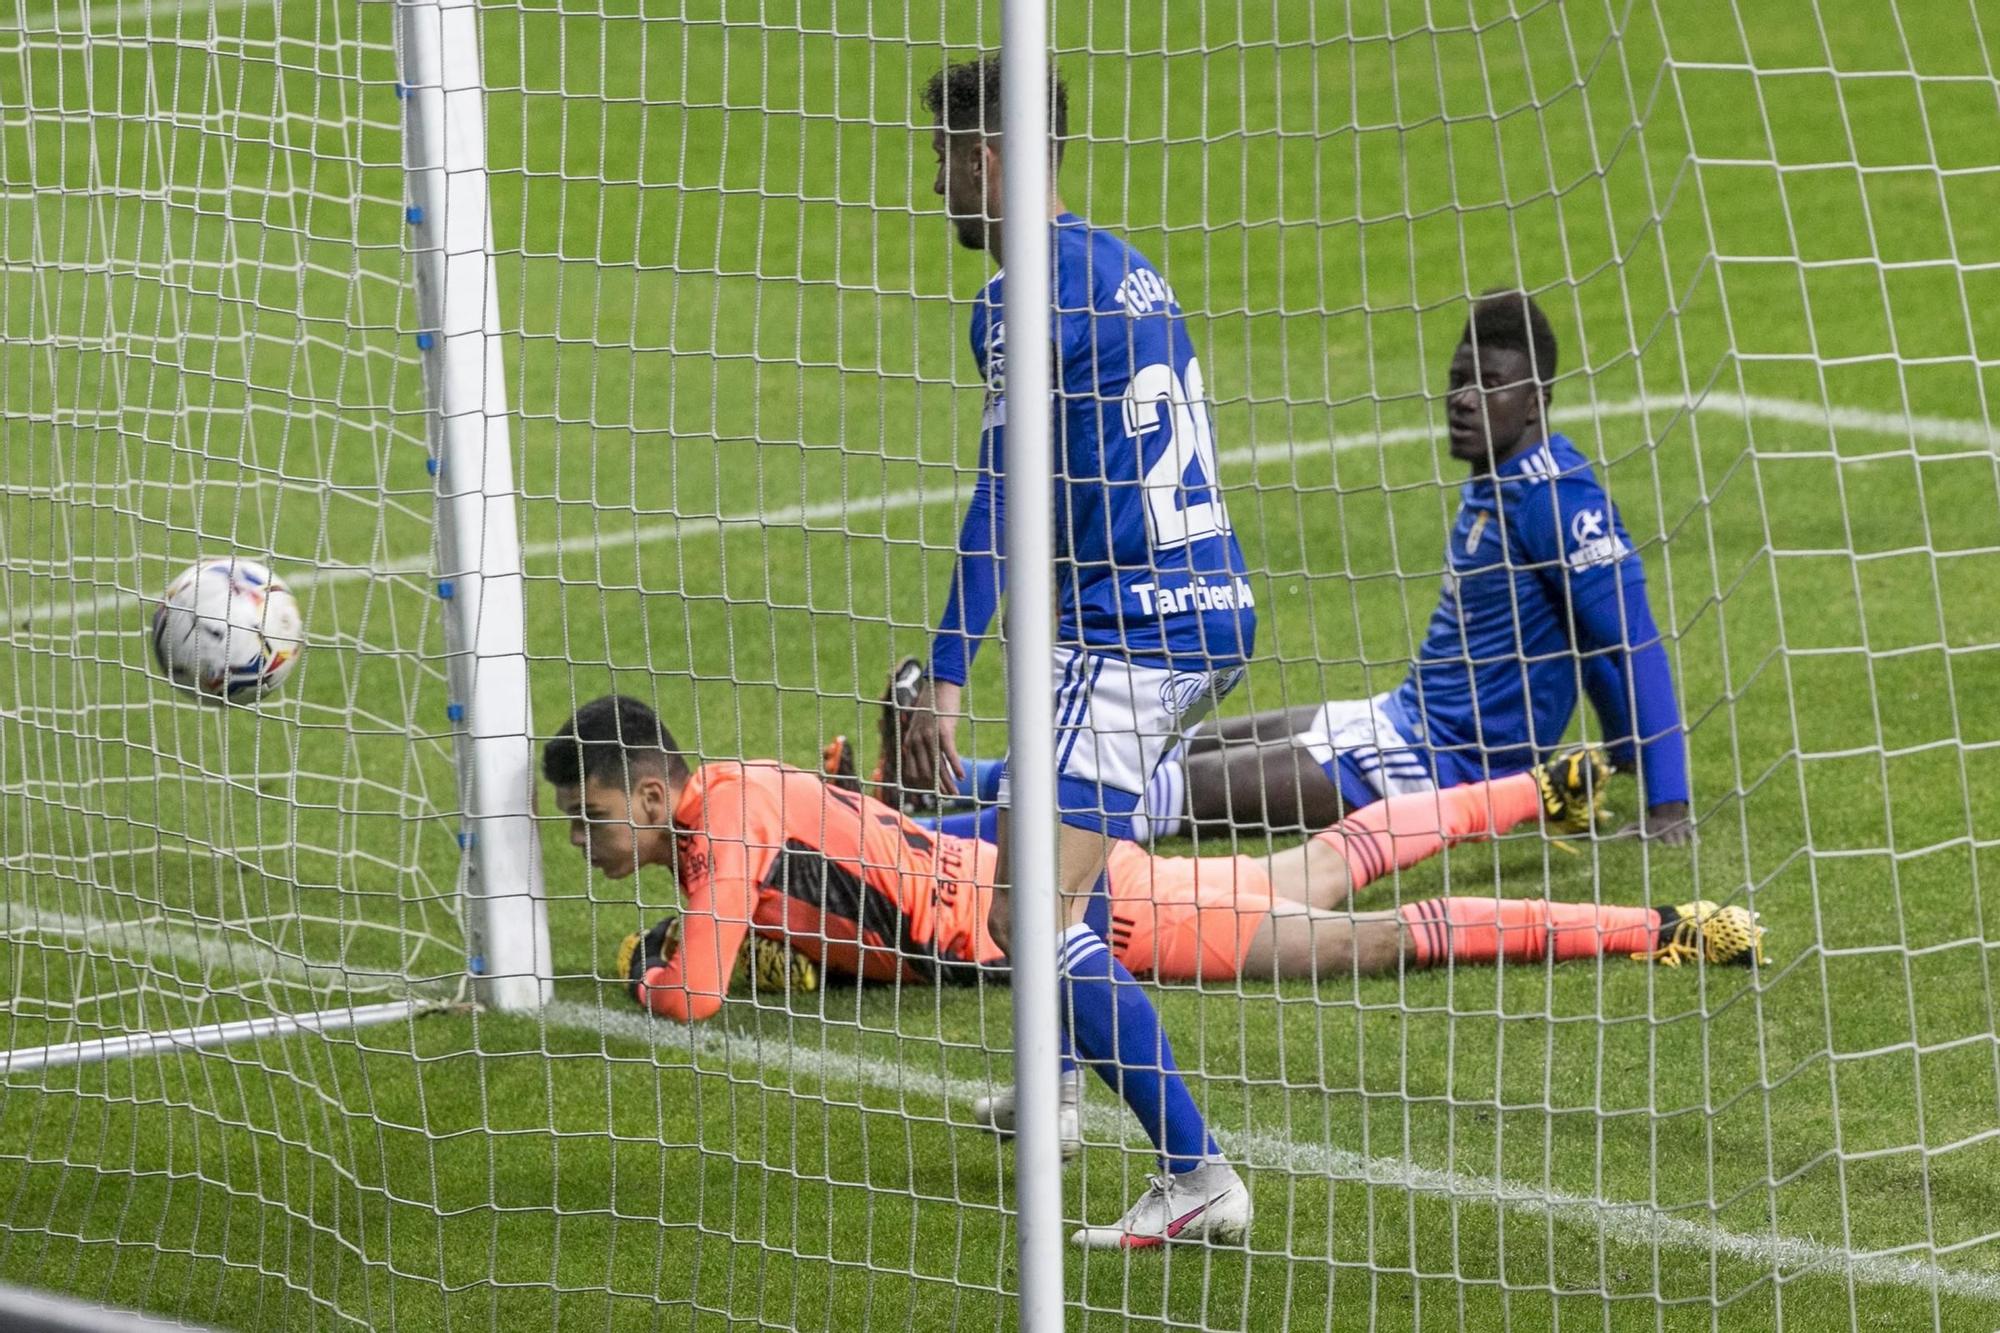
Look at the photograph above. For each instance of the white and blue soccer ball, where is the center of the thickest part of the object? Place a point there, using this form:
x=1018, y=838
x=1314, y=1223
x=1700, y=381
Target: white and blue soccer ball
x=229, y=630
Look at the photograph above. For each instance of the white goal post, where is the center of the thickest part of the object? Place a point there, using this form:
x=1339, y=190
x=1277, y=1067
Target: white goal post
x=1029, y=474
x=479, y=533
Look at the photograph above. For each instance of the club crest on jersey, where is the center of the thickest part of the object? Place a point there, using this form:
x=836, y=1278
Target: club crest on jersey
x=1593, y=541
x=1478, y=531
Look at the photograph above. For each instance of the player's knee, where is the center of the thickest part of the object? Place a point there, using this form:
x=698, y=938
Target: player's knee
x=1333, y=949
x=1303, y=944
x=999, y=920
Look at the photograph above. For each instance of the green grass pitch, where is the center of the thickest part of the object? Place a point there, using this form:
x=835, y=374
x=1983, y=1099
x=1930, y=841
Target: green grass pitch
x=743, y=410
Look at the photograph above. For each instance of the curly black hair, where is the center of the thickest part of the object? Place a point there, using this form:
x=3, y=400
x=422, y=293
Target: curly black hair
x=612, y=740
x=965, y=99
x=1512, y=320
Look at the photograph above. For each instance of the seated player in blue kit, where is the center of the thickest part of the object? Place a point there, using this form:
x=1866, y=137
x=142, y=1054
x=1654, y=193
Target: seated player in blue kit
x=1543, y=597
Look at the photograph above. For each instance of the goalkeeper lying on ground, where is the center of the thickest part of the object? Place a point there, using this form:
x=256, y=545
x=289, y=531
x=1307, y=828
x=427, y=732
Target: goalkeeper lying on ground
x=772, y=856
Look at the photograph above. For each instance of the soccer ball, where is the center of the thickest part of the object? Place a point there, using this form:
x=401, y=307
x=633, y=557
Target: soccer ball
x=229, y=630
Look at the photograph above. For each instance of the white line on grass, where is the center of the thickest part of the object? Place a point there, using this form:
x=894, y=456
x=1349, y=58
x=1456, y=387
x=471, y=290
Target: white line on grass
x=131, y=10
x=81, y=19
x=215, y=948
x=150, y=9
x=1636, y=1224
x=1928, y=430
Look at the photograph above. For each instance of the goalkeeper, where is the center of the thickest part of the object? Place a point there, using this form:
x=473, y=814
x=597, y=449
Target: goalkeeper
x=807, y=874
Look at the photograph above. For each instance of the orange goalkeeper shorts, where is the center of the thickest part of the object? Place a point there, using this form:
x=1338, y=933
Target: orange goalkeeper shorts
x=1185, y=918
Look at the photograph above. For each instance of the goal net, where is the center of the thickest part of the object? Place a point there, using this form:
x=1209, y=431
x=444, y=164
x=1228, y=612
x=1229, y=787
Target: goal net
x=743, y=416
x=210, y=317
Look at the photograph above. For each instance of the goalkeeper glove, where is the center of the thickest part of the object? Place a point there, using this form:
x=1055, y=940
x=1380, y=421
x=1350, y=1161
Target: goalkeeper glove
x=639, y=954
x=777, y=967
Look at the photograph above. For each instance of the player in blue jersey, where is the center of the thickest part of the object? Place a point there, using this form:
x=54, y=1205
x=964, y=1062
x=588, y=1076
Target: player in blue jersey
x=1543, y=597
x=1154, y=618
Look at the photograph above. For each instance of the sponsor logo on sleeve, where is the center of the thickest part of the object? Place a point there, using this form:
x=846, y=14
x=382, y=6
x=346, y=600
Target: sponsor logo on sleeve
x=1593, y=542
x=694, y=864
x=994, y=415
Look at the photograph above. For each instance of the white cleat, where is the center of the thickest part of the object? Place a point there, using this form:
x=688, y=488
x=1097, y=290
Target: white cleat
x=995, y=1114
x=1210, y=1203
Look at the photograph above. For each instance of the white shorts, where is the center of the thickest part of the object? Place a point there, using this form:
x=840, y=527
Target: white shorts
x=1114, y=720
x=1358, y=731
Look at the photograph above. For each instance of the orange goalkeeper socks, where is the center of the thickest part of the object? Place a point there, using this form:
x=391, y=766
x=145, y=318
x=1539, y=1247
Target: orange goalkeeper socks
x=1396, y=833
x=1525, y=930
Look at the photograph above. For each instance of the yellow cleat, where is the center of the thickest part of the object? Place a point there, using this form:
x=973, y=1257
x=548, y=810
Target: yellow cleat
x=778, y=968
x=1572, y=784
x=1712, y=933
x=774, y=966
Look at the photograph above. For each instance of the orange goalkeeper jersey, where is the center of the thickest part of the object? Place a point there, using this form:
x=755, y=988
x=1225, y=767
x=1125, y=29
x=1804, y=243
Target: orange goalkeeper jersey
x=843, y=878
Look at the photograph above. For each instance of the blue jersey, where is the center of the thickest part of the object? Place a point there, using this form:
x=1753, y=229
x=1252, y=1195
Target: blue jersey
x=1543, y=596
x=1147, y=567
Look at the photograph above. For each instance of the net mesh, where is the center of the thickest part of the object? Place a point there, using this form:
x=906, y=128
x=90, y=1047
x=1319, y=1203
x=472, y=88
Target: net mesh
x=745, y=420
x=206, y=303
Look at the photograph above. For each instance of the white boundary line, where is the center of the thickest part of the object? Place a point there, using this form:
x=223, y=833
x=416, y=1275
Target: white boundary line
x=1636, y=1224
x=94, y=12
x=1917, y=429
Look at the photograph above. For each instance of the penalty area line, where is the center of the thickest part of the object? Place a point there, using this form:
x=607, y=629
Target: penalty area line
x=1929, y=430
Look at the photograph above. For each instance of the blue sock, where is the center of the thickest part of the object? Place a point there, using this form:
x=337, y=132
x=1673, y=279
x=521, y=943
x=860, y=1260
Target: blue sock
x=981, y=782
x=1117, y=1033
x=983, y=825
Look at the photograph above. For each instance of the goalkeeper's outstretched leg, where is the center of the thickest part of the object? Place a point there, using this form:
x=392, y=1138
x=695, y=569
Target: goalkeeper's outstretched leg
x=1221, y=919
x=1224, y=918
x=1295, y=941
x=1252, y=773
x=1565, y=795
